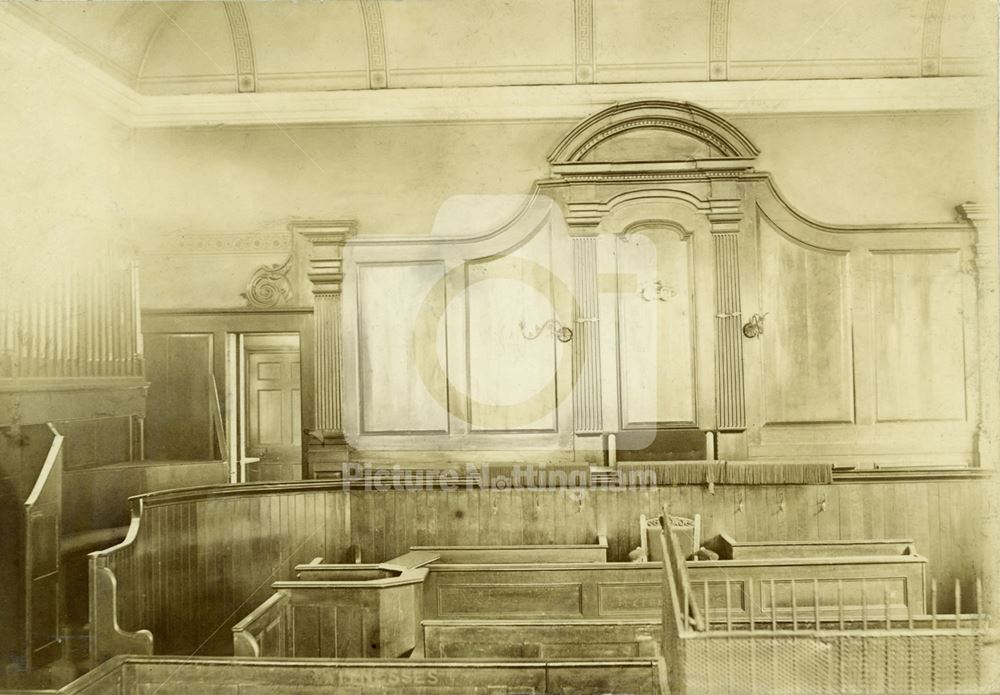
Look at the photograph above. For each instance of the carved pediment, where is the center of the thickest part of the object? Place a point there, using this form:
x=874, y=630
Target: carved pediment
x=653, y=132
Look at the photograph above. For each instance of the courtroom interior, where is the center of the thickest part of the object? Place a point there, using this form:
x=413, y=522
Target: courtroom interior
x=499, y=346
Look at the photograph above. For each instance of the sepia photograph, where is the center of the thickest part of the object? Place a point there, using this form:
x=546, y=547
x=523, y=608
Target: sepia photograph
x=499, y=347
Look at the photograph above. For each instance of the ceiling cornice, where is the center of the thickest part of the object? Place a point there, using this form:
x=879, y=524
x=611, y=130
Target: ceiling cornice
x=491, y=104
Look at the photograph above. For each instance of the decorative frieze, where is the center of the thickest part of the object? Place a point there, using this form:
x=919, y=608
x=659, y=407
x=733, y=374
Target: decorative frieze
x=930, y=52
x=583, y=22
x=239, y=28
x=375, y=40
x=207, y=244
x=718, y=62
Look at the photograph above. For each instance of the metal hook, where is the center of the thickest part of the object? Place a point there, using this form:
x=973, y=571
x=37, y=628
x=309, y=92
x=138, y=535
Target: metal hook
x=755, y=326
x=562, y=333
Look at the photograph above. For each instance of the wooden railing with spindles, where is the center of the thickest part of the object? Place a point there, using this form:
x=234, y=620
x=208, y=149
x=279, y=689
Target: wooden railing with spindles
x=67, y=322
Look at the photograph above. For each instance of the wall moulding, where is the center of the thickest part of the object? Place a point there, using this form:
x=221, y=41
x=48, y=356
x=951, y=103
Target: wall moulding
x=487, y=104
x=210, y=244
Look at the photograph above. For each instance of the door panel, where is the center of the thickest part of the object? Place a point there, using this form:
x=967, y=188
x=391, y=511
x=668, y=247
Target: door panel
x=179, y=406
x=273, y=405
x=655, y=328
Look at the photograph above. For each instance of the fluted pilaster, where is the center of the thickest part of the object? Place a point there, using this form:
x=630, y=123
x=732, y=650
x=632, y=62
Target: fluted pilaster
x=327, y=239
x=725, y=216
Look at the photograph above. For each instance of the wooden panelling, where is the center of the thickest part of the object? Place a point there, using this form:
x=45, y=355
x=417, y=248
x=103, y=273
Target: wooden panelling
x=179, y=418
x=806, y=343
x=399, y=307
x=97, y=498
x=919, y=336
x=497, y=599
x=520, y=639
x=194, y=676
x=221, y=552
x=655, y=327
x=512, y=352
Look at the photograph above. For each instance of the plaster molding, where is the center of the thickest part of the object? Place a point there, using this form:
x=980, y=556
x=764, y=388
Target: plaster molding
x=371, y=12
x=930, y=51
x=694, y=121
x=718, y=40
x=239, y=28
x=559, y=103
x=583, y=29
x=327, y=239
x=220, y=244
x=268, y=286
x=563, y=103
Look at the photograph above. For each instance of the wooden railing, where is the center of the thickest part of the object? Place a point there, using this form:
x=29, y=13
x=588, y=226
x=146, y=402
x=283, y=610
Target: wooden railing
x=76, y=322
x=263, y=631
x=812, y=651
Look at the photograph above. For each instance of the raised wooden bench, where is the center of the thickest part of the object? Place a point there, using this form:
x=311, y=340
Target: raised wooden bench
x=729, y=548
x=365, y=611
x=131, y=675
x=542, y=590
x=540, y=639
x=502, y=554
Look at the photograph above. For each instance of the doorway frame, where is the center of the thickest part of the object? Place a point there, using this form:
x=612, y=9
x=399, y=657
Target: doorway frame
x=224, y=321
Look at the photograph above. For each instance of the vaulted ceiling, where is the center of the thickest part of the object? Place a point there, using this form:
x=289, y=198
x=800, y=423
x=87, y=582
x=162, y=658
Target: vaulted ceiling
x=226, y=47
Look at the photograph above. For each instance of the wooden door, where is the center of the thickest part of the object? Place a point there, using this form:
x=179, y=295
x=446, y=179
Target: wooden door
x=656, y=351
x=274, y=431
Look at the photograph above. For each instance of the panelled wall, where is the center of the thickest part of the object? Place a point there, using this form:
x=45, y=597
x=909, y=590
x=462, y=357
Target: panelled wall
x=655, y=280
x=201, y=560
x=869, y=352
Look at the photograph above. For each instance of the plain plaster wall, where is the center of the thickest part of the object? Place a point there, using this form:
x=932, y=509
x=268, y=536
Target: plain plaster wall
x=394, y=179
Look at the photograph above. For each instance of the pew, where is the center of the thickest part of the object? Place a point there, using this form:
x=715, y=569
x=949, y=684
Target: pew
x=219, y=548
x=816, y=653
x=504, y=554
x=541, y=590
x=859, y=575
x=540, y=639
x=137, y=675
x=359, y=611
x=497, y=591
x=729, y=548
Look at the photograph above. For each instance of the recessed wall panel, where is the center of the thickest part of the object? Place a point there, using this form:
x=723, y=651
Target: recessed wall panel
x=513, y=353
x=655, y=328
x=919, y=336
x=402, y=354
x=806, y=343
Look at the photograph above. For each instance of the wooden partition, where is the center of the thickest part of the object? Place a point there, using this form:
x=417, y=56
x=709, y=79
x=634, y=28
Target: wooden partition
x=493, y=554
x=369, y=616
x=220, y=548
x=205, y=676
x=817, y=654
x=540, y=639
x=670, y=287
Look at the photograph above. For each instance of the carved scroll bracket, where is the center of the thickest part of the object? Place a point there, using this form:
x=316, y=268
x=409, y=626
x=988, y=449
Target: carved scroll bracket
x=268, y=286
